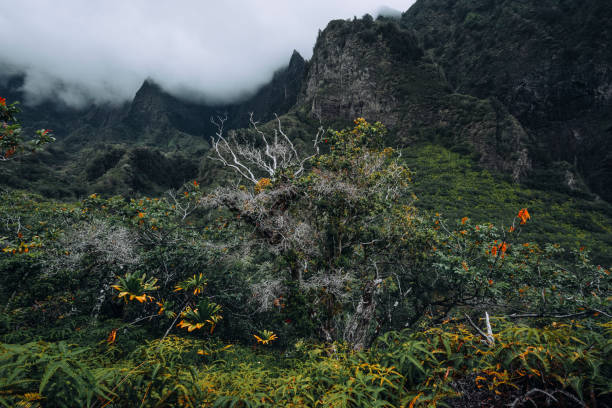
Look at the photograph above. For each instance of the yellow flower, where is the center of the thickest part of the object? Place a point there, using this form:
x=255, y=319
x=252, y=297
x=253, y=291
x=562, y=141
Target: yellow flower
x=262, y=184
x=190, y=326
x=141, y=298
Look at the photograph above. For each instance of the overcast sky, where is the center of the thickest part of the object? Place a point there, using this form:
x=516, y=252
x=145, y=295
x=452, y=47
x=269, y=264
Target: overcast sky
x=101, y=51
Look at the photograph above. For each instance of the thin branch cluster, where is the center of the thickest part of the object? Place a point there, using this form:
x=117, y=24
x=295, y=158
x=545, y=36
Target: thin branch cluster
x=264, y=294
x=269, y=212
x=100, y=242
x=267, y=155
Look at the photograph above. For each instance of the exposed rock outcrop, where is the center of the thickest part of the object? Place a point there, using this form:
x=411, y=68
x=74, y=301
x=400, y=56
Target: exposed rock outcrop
x=377, y=70
x=548, y=62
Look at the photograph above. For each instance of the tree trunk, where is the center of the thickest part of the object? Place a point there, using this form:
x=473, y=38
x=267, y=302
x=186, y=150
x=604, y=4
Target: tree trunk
x=357, y=331
x=102, y=294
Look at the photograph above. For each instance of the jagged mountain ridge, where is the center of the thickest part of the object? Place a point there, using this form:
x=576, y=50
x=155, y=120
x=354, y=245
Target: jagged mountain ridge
x=500, y=80
x=148, y=145
x=377, y=70
x=526, y=86
x=153, y=108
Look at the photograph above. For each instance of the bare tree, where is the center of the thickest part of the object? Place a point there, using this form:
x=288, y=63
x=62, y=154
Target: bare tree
x=263, y=154
x=110, y=249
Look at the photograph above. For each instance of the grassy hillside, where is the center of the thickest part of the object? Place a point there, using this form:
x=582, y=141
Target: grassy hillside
x=454, y=185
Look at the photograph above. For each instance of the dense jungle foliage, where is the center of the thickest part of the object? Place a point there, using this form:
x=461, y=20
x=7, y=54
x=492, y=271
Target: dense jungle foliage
x=324, y=281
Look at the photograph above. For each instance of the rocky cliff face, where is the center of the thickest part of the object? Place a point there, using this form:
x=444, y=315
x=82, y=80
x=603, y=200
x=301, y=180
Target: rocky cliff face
x=548, y=62
x=349, y=72
x=377, y=70
x=521, y=84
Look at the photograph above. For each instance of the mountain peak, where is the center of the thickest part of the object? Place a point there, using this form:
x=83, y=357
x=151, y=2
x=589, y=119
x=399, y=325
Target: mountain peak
x=296, y=59
x=386, y=11
x=149, y=85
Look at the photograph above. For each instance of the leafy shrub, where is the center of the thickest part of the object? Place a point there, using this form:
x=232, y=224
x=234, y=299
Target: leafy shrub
x=51, y=375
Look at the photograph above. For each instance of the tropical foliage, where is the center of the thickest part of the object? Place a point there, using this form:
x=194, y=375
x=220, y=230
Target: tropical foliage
x=135, y=287
x=11, y=141
x=327, y=283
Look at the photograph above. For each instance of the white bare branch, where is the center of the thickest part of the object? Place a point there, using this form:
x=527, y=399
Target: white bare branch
x=109, y=245
x=222, y=148
x=334, y=283
x=259, y=155
x=183, y=209
x=264, y=293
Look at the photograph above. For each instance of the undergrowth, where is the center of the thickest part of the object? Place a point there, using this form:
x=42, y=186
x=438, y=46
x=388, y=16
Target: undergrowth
x=437, y=365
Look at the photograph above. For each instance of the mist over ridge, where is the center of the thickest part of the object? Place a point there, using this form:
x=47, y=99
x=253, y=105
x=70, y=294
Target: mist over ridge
x=83, y=52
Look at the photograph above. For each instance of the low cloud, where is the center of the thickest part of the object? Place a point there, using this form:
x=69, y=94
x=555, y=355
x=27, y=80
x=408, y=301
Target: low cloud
x=101, y=51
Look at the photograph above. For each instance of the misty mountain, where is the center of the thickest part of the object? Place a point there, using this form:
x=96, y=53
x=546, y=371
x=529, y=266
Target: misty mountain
x=524, y=88
x=153, y=143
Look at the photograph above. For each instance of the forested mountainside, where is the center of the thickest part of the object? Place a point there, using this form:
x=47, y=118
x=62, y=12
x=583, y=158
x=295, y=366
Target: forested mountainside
x=526, y=86
x=547, y=62
x=419, y=216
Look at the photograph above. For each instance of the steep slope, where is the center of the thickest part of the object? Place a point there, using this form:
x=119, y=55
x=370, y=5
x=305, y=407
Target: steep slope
x=549, y=63
x=276, y=97
x=377, y=70
x=455, y=132
x=525, y=88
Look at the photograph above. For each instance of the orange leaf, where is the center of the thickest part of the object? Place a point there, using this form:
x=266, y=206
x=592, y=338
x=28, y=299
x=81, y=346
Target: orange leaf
x=112, y=336
x=523, y=215
x=414, y=400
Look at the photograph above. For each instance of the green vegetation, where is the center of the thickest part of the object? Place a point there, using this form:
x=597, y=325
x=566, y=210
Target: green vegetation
x=11, y=141
x=338, y=272
x=452, y=184
x=400, y=369
x=499, y=50
x=328, y=280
